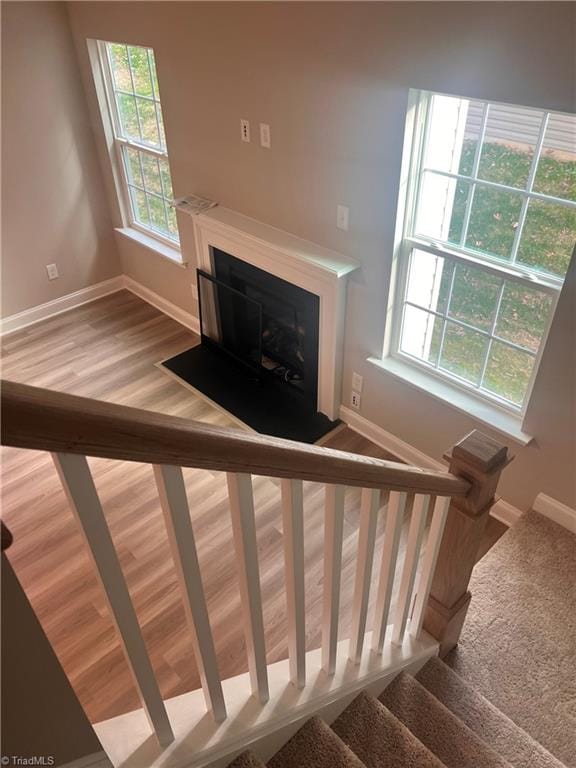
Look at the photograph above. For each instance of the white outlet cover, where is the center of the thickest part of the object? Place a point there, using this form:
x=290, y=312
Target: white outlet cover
x=342, y=216
x=52, y=271
x=245, y=130
x=357, y=382
x=355, y=400
x=265, y=135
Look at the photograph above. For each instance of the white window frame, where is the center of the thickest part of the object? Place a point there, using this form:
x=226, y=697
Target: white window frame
x=412, y=174
x=120, y=142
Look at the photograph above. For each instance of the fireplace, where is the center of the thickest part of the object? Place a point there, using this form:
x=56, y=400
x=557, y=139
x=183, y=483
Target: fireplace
x=272, y=312
x=262, y=321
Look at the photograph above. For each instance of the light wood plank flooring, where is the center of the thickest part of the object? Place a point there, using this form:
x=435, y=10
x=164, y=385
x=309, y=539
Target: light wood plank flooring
x=108, y=350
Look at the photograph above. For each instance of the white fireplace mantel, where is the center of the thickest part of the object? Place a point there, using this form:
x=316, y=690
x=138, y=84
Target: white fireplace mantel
x=310, y=266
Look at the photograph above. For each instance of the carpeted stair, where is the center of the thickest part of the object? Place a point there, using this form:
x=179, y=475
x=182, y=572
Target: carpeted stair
x=450, y=717
x=433, y=720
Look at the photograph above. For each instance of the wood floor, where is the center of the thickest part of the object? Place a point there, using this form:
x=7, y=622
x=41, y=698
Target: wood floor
x=109, y=350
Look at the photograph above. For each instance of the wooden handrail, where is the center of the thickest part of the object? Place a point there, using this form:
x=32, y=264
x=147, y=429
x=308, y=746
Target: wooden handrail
x=43, y=419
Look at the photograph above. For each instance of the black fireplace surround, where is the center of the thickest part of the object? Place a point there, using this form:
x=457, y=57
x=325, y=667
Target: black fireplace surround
x=259, y=353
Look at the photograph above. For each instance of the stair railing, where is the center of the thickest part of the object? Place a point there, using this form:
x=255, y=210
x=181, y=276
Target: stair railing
x=72, y=428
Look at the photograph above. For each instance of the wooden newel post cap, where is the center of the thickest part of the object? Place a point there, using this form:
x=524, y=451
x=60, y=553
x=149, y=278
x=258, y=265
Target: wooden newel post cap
x=480, y=459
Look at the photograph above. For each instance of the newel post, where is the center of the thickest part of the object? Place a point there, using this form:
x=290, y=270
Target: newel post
x=479, y=459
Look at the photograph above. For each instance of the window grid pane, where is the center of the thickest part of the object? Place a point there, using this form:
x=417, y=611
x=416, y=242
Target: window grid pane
x=149, y=203
x=477, y=210
x=135, y=90
x=464, y=333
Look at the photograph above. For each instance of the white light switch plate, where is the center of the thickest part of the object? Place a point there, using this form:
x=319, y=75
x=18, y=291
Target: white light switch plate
x=357, y=382
x=265, y=135
x=342, y=216
x=52, y=271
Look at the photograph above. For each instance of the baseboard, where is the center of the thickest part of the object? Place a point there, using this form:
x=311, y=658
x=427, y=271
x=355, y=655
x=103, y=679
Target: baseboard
x=95, y=760
x=506, y=513
x=163, y=305
x=62, y=304
x=404, y=451
x=556, y=511
x=502, y=510
x=72, y=300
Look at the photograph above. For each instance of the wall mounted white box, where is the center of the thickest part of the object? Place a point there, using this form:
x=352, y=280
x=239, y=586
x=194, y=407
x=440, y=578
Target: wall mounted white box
x=342, y=216
x=265, y=135
x=52, y=271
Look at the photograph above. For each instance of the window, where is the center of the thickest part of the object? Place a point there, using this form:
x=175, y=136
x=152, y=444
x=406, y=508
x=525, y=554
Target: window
x=136, y=113
x=489, y=226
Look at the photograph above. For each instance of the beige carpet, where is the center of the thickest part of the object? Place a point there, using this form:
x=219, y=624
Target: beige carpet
x=379, y=739
x=518, y=648
x=482, y=717
x=453, y=743
x=315, y=746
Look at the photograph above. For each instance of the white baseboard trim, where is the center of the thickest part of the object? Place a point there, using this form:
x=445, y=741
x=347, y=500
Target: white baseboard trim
x=388, y=441
x=163, y=305
x=62, y=304
x=556, y=511
x=506, y=513
x=95, y=760
x=502, y=510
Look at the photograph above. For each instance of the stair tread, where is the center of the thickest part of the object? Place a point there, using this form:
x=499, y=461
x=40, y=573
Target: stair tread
x=444, y=734
x=379, y=739
x=315, y=745
x=247, y=760
x=482, y=717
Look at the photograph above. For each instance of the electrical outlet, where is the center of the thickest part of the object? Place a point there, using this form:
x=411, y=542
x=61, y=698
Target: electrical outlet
x=265, y=135
x=342, y=216
x=52, y=271
x=357, y=382
x=355, y=400
x=245, y=130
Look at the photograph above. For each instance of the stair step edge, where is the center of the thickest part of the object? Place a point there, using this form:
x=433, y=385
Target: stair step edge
x=449, y=686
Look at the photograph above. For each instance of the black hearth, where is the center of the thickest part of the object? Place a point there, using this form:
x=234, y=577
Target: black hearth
x=259, y=353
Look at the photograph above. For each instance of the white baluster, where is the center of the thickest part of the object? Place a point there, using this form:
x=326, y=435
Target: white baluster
x=333, y=531
x=293, y=524
x=429, y=564
x=244, y=529
x=174, y=502
x=392, y=531
x=370, y=505
x=415, y=535
x=79, y=487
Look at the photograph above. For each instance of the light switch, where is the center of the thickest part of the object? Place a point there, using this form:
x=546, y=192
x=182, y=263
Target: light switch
x=342, y=215
x=265, y=135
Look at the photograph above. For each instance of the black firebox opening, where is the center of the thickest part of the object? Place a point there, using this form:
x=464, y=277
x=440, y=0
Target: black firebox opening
x=281, y=340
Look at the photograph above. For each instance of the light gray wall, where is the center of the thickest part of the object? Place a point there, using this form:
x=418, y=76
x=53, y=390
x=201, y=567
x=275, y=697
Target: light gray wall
x=332, y=81
x=54, y=206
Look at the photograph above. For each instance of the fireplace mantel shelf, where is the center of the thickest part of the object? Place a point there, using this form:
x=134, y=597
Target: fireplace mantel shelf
x=334, y=264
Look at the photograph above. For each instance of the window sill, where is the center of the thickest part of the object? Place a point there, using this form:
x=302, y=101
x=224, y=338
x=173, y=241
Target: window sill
x=507, y=424
x=156, y=246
